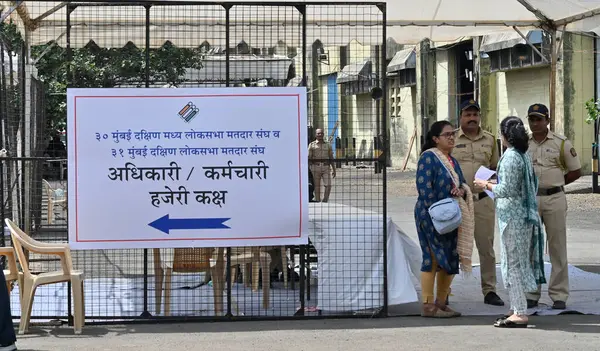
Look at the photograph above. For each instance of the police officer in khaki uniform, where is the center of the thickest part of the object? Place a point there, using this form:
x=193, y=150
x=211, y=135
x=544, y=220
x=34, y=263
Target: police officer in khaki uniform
x=474, y=148
x=556, y=164
x=320, y=158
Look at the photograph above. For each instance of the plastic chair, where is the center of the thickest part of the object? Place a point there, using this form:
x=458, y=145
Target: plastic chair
x=197, y=260
x=54, y=199
x=255, y=257
x=258, y=253
x=30, y=282
x=12, y=273
x=180, y=260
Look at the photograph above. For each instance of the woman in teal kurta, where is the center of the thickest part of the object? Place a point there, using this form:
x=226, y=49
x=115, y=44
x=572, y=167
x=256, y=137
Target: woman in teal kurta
x=521, y=236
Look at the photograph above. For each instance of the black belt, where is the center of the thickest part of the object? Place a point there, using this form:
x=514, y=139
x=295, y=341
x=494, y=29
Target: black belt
x=550, y=191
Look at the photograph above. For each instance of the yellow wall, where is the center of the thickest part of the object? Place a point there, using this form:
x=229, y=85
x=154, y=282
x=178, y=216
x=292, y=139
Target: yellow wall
x=402, y=124
x=515, y=90
x=488, y=98
x=322, y=114
x=359, y=52
x=442, y=78
x=363, y=124
x=519, y=89
x=357, y=111
x=578, y=54
x=333, y=63
x=507, y=93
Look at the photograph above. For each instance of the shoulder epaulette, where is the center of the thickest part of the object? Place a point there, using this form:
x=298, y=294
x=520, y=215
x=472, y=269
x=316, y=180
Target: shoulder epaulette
x=561, y=137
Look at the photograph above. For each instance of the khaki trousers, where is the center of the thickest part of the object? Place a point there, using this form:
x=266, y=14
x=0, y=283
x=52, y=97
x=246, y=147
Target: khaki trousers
x=321, y=172
x=428, y=281
x=553, y=211
x=485, y=228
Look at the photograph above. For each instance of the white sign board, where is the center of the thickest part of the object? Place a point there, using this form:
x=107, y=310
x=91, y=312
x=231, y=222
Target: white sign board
x=159, y=168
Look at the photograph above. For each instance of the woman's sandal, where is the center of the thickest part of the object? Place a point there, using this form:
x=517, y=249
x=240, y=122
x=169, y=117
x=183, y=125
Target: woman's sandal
x=456, y=314
x=507, y=323
x=505, y=316
x=445, y=308
x=436, y=312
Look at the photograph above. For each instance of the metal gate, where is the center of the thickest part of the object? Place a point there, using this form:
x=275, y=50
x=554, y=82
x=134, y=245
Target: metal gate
x=213, y=44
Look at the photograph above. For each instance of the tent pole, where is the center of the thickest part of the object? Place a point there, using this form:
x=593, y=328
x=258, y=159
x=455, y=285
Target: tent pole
x=595, y=187
x=553, y=63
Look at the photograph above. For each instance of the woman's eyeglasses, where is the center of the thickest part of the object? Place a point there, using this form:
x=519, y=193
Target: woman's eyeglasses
x=448, y=135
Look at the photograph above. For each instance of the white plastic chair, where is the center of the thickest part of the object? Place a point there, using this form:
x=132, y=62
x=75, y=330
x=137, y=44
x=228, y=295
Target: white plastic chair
x=12, y=273
x=30, y=282
x=54, y=199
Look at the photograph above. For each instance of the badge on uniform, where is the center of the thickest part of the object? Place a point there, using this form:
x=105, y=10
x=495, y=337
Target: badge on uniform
x=573, y=152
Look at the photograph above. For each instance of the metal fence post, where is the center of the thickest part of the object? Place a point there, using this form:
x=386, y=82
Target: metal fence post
x=70, y=9
x=384, y=156
x=146, y=313
x=3, y=114
x=227, y=84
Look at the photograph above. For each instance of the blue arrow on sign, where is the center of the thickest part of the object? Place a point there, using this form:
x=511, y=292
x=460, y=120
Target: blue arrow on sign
x=166, y=224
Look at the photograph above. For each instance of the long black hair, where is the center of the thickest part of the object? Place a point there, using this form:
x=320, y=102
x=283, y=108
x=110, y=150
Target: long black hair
x=513, y=130
x=434, y=131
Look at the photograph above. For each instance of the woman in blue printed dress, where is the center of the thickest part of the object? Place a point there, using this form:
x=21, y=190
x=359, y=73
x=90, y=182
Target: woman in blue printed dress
x=440, y=255
x=521, y=237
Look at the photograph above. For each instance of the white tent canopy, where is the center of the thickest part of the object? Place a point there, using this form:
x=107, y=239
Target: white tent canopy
x=262, y=25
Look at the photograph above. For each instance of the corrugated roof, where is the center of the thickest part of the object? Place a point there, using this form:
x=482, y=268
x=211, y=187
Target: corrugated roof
x=406, y=58
x=354, y=72
x=507, y=40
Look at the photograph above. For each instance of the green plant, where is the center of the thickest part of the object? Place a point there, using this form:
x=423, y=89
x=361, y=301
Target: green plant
x=593, y=112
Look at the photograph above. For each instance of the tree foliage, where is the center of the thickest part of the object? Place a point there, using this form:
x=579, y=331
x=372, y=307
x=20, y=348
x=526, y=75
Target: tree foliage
x=12, y=45
x=593, y=112
x=96, y=67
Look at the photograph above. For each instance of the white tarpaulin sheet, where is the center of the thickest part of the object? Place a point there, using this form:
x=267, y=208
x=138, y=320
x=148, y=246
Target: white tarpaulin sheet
x=353, y=282
x=408, y=21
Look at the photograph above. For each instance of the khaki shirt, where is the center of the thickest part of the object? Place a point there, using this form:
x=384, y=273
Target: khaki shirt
x=547, y=160
x=320, y=151
x=474, y=153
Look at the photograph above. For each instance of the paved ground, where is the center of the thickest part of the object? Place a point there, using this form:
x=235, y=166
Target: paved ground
x=572, y=332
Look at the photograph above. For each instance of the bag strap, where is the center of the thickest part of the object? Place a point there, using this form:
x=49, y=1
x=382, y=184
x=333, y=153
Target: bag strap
x=446, y=167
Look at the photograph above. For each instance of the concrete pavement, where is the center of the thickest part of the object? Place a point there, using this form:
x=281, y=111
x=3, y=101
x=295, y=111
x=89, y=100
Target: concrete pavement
x=570, y=332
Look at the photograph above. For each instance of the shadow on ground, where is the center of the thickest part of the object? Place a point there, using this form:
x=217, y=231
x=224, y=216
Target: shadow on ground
x=565, y=323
